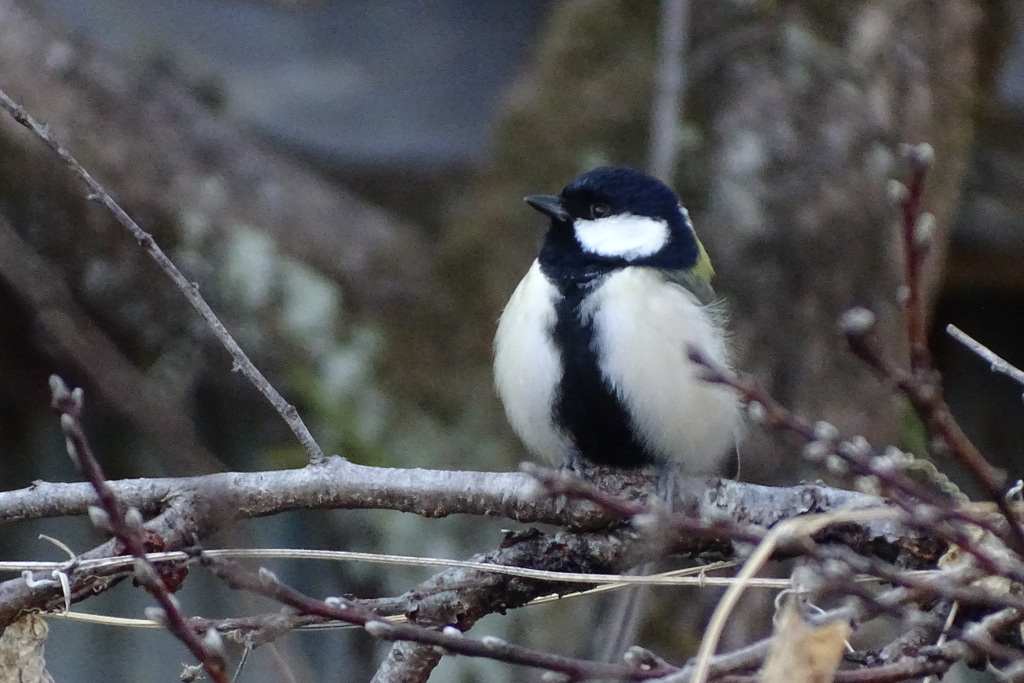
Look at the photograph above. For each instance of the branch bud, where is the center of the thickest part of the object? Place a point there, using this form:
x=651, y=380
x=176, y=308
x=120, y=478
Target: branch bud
x=133, y=518
x=756, y=412
x=59, y=391
x=924, y=231
x=856, y=448
x=213, y=643
x=99, y=518
x=920, y=157
x=156, y=614
x=493, y=642
x=825, y=431
x=835, y=464
x=868, y=485
x=379, y=628
x=815, y=451
x=856, y=322
x=897, y=192
x=903, y=295
x=641, y=659
x=144, y=572
x=77, y=400
x=336, y=602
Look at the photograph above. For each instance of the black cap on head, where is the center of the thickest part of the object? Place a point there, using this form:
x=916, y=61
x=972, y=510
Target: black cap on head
x=622, y=190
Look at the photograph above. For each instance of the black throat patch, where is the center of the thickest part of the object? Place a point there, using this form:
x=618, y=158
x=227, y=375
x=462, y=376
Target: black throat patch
x=586, y=406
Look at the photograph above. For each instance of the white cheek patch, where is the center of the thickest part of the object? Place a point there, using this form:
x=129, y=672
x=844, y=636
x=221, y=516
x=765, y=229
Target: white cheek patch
x=625, y=235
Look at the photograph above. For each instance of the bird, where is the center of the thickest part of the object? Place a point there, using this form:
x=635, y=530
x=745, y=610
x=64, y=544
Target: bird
x=592, y=351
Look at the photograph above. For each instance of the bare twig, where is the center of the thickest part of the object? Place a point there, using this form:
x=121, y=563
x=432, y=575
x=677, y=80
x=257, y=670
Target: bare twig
x=914, y=662
x=921, y=384
x=725, y=606
x=996, y=363
x=917, y=232
x=126, y=525
x=905, y=669
x=823, y=444
x=804, y=529
x=924, y=392
x=751, y=656
x=189, y=289
x=981, y=635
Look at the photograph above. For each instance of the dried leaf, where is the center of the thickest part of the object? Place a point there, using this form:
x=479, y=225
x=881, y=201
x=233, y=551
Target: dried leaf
x=800, y=654
x=21, y=651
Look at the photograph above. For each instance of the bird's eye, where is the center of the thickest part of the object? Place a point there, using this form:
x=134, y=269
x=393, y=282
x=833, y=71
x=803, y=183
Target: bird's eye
x=599, y=210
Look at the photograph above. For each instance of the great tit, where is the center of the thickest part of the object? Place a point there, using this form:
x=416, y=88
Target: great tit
x=591, y=352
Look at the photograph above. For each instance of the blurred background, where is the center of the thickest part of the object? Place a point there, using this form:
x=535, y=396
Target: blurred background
x=344, y=181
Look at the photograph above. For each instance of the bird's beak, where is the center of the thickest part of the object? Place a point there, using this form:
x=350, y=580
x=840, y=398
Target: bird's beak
x=549, y=205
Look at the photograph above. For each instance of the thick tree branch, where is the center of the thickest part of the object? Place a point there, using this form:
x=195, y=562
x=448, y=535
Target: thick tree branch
x=340, y=484
x=198, y=506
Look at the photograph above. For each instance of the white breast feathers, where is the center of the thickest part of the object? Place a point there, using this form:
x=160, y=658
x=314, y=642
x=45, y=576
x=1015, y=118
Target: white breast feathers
x=643, y=326
x=527, y=366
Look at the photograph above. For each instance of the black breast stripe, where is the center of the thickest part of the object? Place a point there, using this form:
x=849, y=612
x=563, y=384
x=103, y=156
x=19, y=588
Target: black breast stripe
x=585, y=405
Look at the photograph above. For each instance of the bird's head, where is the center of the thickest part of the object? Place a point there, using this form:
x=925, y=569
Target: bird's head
x=613, y=217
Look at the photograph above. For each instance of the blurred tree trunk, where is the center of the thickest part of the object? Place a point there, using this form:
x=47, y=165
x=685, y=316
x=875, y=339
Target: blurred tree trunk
x=804, y=137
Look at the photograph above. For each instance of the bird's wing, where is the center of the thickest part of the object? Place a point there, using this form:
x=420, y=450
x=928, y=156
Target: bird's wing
x=693, y=283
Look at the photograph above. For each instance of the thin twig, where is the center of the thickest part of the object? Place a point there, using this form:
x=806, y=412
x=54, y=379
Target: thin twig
x=751, y=656
x=126, y=526
x=922, y=384
x=996, y=363
x=954, y=609
x=673, y=578
x=980, y=635
x=190, y=290
x=917, y=232
x=903, y=670
x=823, y=443
x=923, y=391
